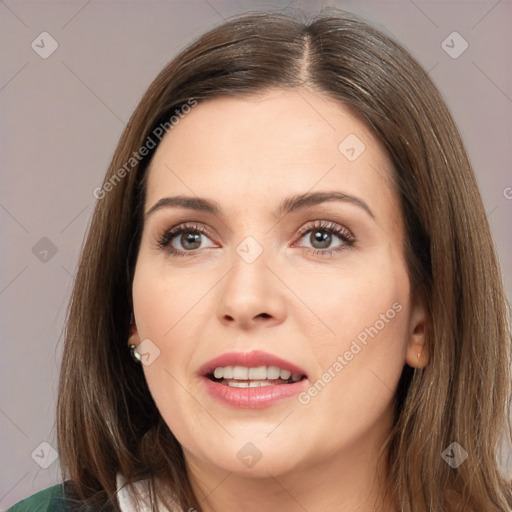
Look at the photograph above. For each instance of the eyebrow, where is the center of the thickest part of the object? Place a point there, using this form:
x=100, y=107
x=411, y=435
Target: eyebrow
x=289, y=205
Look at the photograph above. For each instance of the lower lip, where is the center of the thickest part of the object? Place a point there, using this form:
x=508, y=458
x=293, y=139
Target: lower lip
x=253, y=398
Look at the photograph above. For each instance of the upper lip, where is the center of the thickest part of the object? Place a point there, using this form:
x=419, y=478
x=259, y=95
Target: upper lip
x=251, y=359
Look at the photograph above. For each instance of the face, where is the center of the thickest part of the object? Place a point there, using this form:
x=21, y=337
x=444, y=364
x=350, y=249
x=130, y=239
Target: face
x=271, y=295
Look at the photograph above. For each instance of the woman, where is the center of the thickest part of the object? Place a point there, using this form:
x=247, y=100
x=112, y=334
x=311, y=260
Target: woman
x=288, y=298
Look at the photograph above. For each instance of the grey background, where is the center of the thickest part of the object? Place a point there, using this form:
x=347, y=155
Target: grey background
x=62, y=117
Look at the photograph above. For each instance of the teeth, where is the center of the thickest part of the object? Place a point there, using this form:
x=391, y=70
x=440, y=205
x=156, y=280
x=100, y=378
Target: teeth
x=273, y=372
x=285, y=374
x=245, y=384
x=236, y=384
x=259, y=383
x=240, y=373
x=259, y=373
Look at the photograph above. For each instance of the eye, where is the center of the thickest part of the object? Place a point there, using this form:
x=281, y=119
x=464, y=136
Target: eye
x=322, y=234
x=184, y=240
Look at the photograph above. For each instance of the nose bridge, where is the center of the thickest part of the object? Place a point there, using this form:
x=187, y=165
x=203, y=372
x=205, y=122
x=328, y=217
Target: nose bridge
x=249, y=272
x=250, y=290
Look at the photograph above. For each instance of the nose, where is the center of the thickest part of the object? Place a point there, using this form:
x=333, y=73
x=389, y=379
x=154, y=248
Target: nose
x=251, y=295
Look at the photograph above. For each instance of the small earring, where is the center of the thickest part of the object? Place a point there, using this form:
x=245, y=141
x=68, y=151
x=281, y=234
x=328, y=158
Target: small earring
x=135, y=355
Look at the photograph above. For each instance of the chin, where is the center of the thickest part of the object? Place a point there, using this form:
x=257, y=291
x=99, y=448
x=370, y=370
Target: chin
x=253, y=455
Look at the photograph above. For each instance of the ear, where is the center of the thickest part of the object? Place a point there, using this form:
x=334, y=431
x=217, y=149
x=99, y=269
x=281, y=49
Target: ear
x=417, y=354
x=134, y=338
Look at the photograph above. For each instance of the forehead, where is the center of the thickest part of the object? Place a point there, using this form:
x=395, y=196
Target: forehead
x=269, y=146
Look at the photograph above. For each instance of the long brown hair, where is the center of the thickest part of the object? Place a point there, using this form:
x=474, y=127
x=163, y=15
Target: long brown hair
x=107, y=421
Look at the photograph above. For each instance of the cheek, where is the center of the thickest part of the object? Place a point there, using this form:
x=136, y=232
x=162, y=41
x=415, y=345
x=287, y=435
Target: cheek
x=359, y=365
x=162, y=305
x=163, y=298
x=347, y=301
x=362, y=321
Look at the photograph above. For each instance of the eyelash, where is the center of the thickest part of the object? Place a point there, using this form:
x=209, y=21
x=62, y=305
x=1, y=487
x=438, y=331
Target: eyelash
x=344, y=234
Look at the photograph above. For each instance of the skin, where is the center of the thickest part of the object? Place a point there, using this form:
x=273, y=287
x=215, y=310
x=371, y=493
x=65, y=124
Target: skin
x=249, y=154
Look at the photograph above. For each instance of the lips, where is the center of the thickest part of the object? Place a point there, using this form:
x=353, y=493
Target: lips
x=251, y=379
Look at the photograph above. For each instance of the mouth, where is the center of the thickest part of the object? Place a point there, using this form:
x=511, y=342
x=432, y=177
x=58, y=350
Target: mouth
x=253, y=377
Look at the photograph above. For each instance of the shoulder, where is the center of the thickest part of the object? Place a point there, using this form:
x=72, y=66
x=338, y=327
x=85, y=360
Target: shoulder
x=52, y=499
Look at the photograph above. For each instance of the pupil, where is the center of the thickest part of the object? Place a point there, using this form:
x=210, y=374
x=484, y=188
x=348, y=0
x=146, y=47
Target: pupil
x=190, y=240
x=322, y=238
